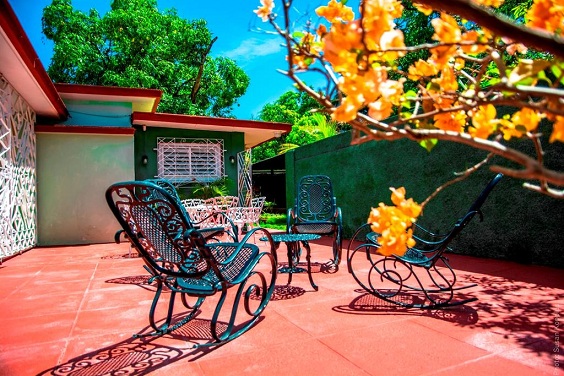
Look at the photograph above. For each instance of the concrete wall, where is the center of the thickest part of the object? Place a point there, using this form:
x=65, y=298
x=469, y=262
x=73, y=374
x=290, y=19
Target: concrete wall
x=73, y=172
x=518, y=224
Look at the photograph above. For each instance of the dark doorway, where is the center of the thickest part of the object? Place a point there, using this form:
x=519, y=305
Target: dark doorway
x=269, y=179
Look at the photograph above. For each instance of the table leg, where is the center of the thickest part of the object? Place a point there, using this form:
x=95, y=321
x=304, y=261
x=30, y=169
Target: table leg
x=290, y=248
x=308, y=258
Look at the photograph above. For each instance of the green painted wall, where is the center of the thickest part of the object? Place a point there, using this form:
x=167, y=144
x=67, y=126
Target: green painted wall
x=146, y=144
x=73, y=172
x=519, y=225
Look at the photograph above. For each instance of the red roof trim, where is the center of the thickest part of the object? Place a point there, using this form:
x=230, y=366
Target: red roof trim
x=111, y=90
x=139, y=117
x=12, y=27
x=83, y=130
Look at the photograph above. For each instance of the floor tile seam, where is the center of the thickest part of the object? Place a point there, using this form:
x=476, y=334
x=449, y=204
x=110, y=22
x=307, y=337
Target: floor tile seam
x=356, y=328
x=7, y=348
x=452, y=369
x=282, y=315
x=309, y=302
x=340, y=355
x=276, y=345
x=75, y=320
x=446, y=333
x=493, y=353
x=499, y=352
x=368, y=325
x=28, y=280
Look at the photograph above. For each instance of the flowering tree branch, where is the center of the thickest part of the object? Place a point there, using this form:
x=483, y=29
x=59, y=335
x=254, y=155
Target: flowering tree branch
x=469, y=74
x=500, y=25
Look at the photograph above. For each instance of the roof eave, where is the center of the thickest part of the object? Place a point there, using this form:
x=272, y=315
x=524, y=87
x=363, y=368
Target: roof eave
x=256, y=132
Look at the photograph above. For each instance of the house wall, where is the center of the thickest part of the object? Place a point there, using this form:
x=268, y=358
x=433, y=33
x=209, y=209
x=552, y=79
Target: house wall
x=98, y=113
x=519, y=225
x=73, y=173
x=146, y=144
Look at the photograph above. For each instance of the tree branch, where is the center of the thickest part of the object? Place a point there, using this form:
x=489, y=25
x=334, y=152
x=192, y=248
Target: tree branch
x=198, y=80
x=535, y=39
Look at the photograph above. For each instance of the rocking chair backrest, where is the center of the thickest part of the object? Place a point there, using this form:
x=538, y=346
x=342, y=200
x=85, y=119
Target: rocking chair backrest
x=171, y=190
x=315, y=200
x=474, y=209
x=156, y=224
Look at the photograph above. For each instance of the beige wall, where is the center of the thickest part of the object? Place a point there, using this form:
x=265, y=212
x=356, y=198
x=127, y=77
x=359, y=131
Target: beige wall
x=73, y=172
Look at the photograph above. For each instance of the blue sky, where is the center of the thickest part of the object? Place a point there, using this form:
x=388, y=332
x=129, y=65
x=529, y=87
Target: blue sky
x=258, y=54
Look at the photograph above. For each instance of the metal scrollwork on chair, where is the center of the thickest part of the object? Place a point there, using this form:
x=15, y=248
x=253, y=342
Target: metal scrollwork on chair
x=422, y=277
x=178, y=257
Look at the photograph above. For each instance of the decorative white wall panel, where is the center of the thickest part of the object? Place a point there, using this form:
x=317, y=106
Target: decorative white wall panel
x=245, y=176
x=18, y=210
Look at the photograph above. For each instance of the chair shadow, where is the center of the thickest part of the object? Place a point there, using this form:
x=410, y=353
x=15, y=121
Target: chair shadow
x=131, y=280
x=316, y=267
x=141, y=356
x=139, y=280
x=368, y=304
x=284, y=292
x=132, y=254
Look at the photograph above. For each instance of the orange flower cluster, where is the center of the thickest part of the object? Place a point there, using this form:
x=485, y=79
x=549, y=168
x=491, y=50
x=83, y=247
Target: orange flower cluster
x=355, y=51
x=363, y=51
x=547, y=15
x=265, y=9
x=393, y=223
x=335, y=12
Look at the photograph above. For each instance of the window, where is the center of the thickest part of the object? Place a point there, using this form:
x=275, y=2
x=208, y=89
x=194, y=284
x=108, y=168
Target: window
x=182, y=160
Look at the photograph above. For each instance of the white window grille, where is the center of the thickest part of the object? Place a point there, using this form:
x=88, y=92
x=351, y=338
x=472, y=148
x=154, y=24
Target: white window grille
x=190, y=160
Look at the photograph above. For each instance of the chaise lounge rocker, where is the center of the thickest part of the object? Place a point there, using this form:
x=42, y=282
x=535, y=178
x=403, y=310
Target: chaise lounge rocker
x=422, y=277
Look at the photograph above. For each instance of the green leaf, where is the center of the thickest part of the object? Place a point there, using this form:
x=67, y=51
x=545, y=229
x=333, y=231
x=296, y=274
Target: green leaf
x=556, y=70
x=429, y=144
x=543, y=77
x=432, y=86
x=527, y=69
x=521, y=128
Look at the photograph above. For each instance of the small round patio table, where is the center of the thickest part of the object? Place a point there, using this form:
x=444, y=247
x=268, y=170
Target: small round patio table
x=293, y=247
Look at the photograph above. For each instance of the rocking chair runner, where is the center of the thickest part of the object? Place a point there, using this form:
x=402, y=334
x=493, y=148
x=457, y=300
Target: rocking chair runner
x=178, y=258
x=395, y=279
x=316, y=212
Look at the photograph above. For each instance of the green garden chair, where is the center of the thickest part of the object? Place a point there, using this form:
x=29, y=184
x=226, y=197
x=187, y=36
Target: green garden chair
x=179, y=259
x=422, y=277
x=316, y=212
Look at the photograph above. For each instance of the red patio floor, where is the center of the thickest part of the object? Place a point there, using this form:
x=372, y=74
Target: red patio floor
x=72, y=310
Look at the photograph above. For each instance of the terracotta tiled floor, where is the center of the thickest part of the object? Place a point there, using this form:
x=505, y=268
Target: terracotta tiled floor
x=72, y=310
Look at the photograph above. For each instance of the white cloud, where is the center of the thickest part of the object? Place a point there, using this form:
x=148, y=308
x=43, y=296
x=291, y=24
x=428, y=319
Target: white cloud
x=252, y=48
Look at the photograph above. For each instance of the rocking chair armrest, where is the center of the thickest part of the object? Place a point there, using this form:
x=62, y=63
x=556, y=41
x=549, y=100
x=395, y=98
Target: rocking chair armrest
x=240, y=245
x=338, y=215
x=437, y=241
x=290, y=219
x=424, y=230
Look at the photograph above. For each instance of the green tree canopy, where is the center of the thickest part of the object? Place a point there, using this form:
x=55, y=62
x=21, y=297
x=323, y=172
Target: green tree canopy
x=135, y=45
x=308, y=126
